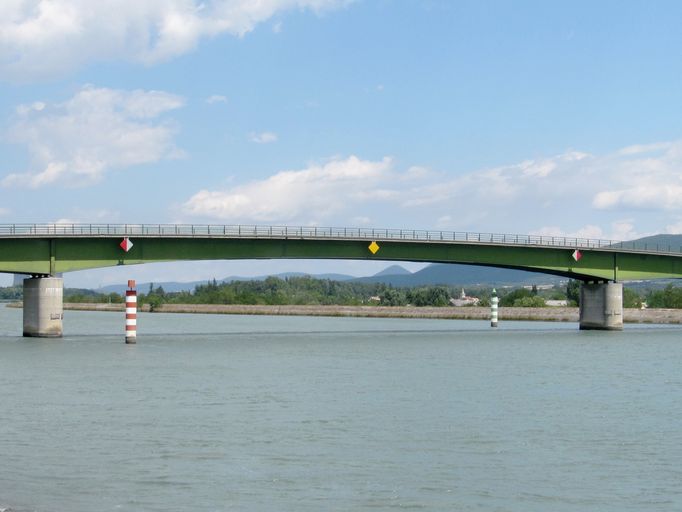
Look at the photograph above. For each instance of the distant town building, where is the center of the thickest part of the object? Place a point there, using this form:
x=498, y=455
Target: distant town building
x=465, y=300
x=556, y=303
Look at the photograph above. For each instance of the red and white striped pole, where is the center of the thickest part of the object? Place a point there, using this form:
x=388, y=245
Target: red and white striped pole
x=131, y=312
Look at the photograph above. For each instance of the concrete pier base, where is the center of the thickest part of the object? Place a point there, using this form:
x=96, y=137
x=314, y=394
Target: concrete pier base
x=43, y=307
x=601, y=306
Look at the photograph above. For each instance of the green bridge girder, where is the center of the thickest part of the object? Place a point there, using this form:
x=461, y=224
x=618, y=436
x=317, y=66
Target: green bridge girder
x=48, y=255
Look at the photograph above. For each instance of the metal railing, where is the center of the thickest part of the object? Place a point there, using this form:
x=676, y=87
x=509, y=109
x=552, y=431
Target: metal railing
x=308, y=232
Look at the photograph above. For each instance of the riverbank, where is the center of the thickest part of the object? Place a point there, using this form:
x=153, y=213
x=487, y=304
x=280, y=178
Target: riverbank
x=548, y=314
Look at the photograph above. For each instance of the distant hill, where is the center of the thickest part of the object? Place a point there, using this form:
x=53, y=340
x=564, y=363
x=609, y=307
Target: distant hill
x=662, y=242
x=455, y=274
x=393, y=270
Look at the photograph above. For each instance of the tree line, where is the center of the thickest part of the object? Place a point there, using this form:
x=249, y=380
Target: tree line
x=307, y=290
x=303, y=290
x=311, y=291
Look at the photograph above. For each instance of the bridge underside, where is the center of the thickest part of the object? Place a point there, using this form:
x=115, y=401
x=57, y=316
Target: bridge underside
x=45, y=256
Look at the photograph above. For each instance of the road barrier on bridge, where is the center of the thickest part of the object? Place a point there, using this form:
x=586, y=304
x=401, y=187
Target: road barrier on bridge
x=308, y=232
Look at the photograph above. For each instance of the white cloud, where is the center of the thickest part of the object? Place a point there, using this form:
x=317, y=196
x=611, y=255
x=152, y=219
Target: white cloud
x=376, y=194
x=96, y=131
x=416, y=173
x=83, y=216
x=625, y=180
x=263, y=138
x=588, y=231
x=640, y=180
x=444, y=222
x=303, y=196
x=538, y=169
x=617, y=231
x=655, y=196
x=216, y=98
x=638, y=149
x=65, y=221
x=675, y=228
x=46, y=37
x=25, y=109
x=619, y=196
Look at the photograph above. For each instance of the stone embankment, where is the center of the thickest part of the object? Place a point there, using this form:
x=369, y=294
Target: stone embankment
x=548, y=314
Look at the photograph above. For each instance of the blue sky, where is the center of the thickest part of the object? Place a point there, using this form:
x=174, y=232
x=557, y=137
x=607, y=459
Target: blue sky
x=516, y=117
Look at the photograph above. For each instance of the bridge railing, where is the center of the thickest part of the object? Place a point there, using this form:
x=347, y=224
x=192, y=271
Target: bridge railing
x=254, y=231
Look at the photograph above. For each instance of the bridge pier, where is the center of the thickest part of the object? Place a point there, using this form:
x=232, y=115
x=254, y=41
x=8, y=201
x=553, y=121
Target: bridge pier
x=601, y=306
x=43, y=307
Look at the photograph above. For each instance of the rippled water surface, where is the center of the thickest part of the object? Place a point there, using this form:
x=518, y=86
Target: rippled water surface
x=212, y=413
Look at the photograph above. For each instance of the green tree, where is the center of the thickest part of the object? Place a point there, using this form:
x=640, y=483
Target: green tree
x=393, y=297
x=631, y=299
x=154, y=302
x=530, y=302
x=511, y=297
x=669, y=297
x=431, y=296
x=11, y=292
x=114, y=298
x=573, y=292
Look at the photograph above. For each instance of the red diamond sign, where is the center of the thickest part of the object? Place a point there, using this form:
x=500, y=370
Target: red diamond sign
x=126, y=244
x=577, y=255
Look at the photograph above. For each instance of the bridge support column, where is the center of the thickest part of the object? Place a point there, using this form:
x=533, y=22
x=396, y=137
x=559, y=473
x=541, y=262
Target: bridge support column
x=43, y=307
x=601, y=306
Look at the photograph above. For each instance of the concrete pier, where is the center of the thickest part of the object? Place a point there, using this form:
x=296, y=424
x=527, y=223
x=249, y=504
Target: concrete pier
x=43, y=307
x=601, y=306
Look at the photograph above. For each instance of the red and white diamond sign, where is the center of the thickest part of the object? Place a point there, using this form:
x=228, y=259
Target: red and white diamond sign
x=126, y=244
x=577, y=255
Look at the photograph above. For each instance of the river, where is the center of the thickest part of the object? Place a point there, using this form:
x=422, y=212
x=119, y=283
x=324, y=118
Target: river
x=257, y=413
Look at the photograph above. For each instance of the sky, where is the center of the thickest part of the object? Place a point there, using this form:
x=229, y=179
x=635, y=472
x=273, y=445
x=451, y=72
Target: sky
x=528, y=117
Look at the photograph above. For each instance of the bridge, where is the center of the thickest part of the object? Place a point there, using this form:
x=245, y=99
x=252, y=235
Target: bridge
x=46, y=250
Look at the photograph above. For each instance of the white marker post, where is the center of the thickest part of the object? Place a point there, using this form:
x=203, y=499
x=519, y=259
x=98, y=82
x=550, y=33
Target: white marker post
x=131, y=313
x=493, y=309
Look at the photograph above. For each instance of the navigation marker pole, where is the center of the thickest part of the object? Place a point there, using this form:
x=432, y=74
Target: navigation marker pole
x=131, y=313
x=493, y=309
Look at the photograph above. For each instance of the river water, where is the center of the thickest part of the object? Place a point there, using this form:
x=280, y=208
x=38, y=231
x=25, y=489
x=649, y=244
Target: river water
x=213, y=413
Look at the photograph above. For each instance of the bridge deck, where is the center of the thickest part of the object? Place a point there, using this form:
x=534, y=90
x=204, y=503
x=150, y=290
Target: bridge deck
x=323, y=233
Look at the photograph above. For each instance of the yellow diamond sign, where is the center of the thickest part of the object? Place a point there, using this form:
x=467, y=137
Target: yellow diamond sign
x=373, y=247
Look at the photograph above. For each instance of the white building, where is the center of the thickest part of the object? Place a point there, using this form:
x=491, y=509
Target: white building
x=464, y=300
